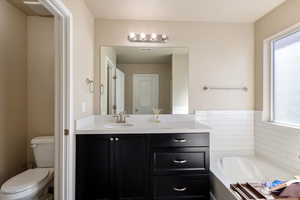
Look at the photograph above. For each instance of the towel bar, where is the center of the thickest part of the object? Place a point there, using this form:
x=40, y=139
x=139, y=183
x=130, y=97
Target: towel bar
x=225, y=88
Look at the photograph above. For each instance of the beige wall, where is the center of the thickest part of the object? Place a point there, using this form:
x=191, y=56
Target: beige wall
x=276, y=21
x=83, y=55
x=13, y=100
x=40, y=83
x=180, y=83
x=164, y=72
x=220, y=54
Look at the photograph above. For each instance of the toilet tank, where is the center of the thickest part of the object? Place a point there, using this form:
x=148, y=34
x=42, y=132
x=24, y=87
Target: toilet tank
x=43, y=151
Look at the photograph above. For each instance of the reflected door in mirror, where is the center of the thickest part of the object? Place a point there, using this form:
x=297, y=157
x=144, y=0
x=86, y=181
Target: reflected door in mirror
x=120, y=91
x=145, y=93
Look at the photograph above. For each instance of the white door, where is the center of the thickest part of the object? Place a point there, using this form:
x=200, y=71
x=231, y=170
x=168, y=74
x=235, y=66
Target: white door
x=145, y=93
x=120, y=91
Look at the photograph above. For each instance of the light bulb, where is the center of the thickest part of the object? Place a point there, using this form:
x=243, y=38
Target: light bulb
x=164, y=37
x=153, y=36
x=142, y=36
x=132, y=36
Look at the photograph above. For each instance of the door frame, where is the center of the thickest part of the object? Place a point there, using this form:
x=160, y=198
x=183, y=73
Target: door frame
x=156, y=76
x=64, y=144
x=103, y=84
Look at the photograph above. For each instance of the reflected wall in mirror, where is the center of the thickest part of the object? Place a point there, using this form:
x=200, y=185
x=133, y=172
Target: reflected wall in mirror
x=137, y=80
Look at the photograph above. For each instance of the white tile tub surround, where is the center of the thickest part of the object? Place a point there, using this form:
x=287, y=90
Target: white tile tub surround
x=279, y=144
x=232, y=132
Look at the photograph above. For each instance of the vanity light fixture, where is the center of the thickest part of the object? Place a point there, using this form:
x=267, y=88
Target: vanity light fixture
x=143, y=37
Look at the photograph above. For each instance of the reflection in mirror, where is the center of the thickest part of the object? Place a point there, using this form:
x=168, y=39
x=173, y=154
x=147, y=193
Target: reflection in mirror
x=137, y=80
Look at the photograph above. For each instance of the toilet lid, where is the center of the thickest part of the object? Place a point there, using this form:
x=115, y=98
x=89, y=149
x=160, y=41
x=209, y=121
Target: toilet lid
x=25, y=180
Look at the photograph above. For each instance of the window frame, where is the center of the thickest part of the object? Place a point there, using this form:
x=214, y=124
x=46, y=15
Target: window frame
x=270, y=57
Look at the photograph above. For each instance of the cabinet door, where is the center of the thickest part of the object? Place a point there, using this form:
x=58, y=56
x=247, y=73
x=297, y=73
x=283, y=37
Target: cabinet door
x=131, y=167
x=94, y=164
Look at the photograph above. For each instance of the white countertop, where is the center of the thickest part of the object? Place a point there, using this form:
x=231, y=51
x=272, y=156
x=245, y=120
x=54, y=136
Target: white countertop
x=141, y=124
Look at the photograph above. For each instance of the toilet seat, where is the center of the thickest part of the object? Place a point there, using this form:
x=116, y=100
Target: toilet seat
x=27, y=184
x=24, y=181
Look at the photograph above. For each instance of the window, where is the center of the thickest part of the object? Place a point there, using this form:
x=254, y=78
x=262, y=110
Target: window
x=285, y=78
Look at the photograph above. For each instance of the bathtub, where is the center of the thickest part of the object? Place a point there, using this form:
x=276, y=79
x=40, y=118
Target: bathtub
x=240, y=169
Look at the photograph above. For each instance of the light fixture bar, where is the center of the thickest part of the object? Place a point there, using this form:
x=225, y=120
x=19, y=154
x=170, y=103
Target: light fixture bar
x=150, y=38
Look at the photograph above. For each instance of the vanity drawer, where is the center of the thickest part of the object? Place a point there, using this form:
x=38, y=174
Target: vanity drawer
x=181, y=187
x=180, y=140
x=196, y=160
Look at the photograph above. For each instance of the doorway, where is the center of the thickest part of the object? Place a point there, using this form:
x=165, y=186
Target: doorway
x=63, y=112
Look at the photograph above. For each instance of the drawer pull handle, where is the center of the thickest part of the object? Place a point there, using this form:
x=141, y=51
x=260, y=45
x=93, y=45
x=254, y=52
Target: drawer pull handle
x=179, y=189
x=179, y=140
x=179, y=161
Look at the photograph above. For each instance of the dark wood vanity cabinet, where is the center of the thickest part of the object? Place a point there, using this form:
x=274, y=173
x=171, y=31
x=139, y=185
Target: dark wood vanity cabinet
x=142, y=166
x=110, y=167
x=180, y=166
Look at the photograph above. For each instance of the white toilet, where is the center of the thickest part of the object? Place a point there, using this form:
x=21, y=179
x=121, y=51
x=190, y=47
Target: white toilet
x=33, y=183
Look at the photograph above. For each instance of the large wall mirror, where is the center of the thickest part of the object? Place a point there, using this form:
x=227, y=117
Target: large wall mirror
x=137, y=80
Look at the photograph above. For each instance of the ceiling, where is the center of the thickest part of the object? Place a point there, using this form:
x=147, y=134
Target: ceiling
x=183, y=10
x=146, y=55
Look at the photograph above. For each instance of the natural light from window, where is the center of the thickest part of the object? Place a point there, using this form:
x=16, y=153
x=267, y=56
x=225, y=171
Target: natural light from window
x=286, y=79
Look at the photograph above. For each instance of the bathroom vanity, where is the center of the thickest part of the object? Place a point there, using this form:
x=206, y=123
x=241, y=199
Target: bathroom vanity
x=125, y=164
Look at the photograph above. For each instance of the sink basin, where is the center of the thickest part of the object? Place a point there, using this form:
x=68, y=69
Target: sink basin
x=118, y=125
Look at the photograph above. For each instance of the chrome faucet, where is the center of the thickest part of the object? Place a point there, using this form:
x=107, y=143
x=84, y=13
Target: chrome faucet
x=121, y=117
